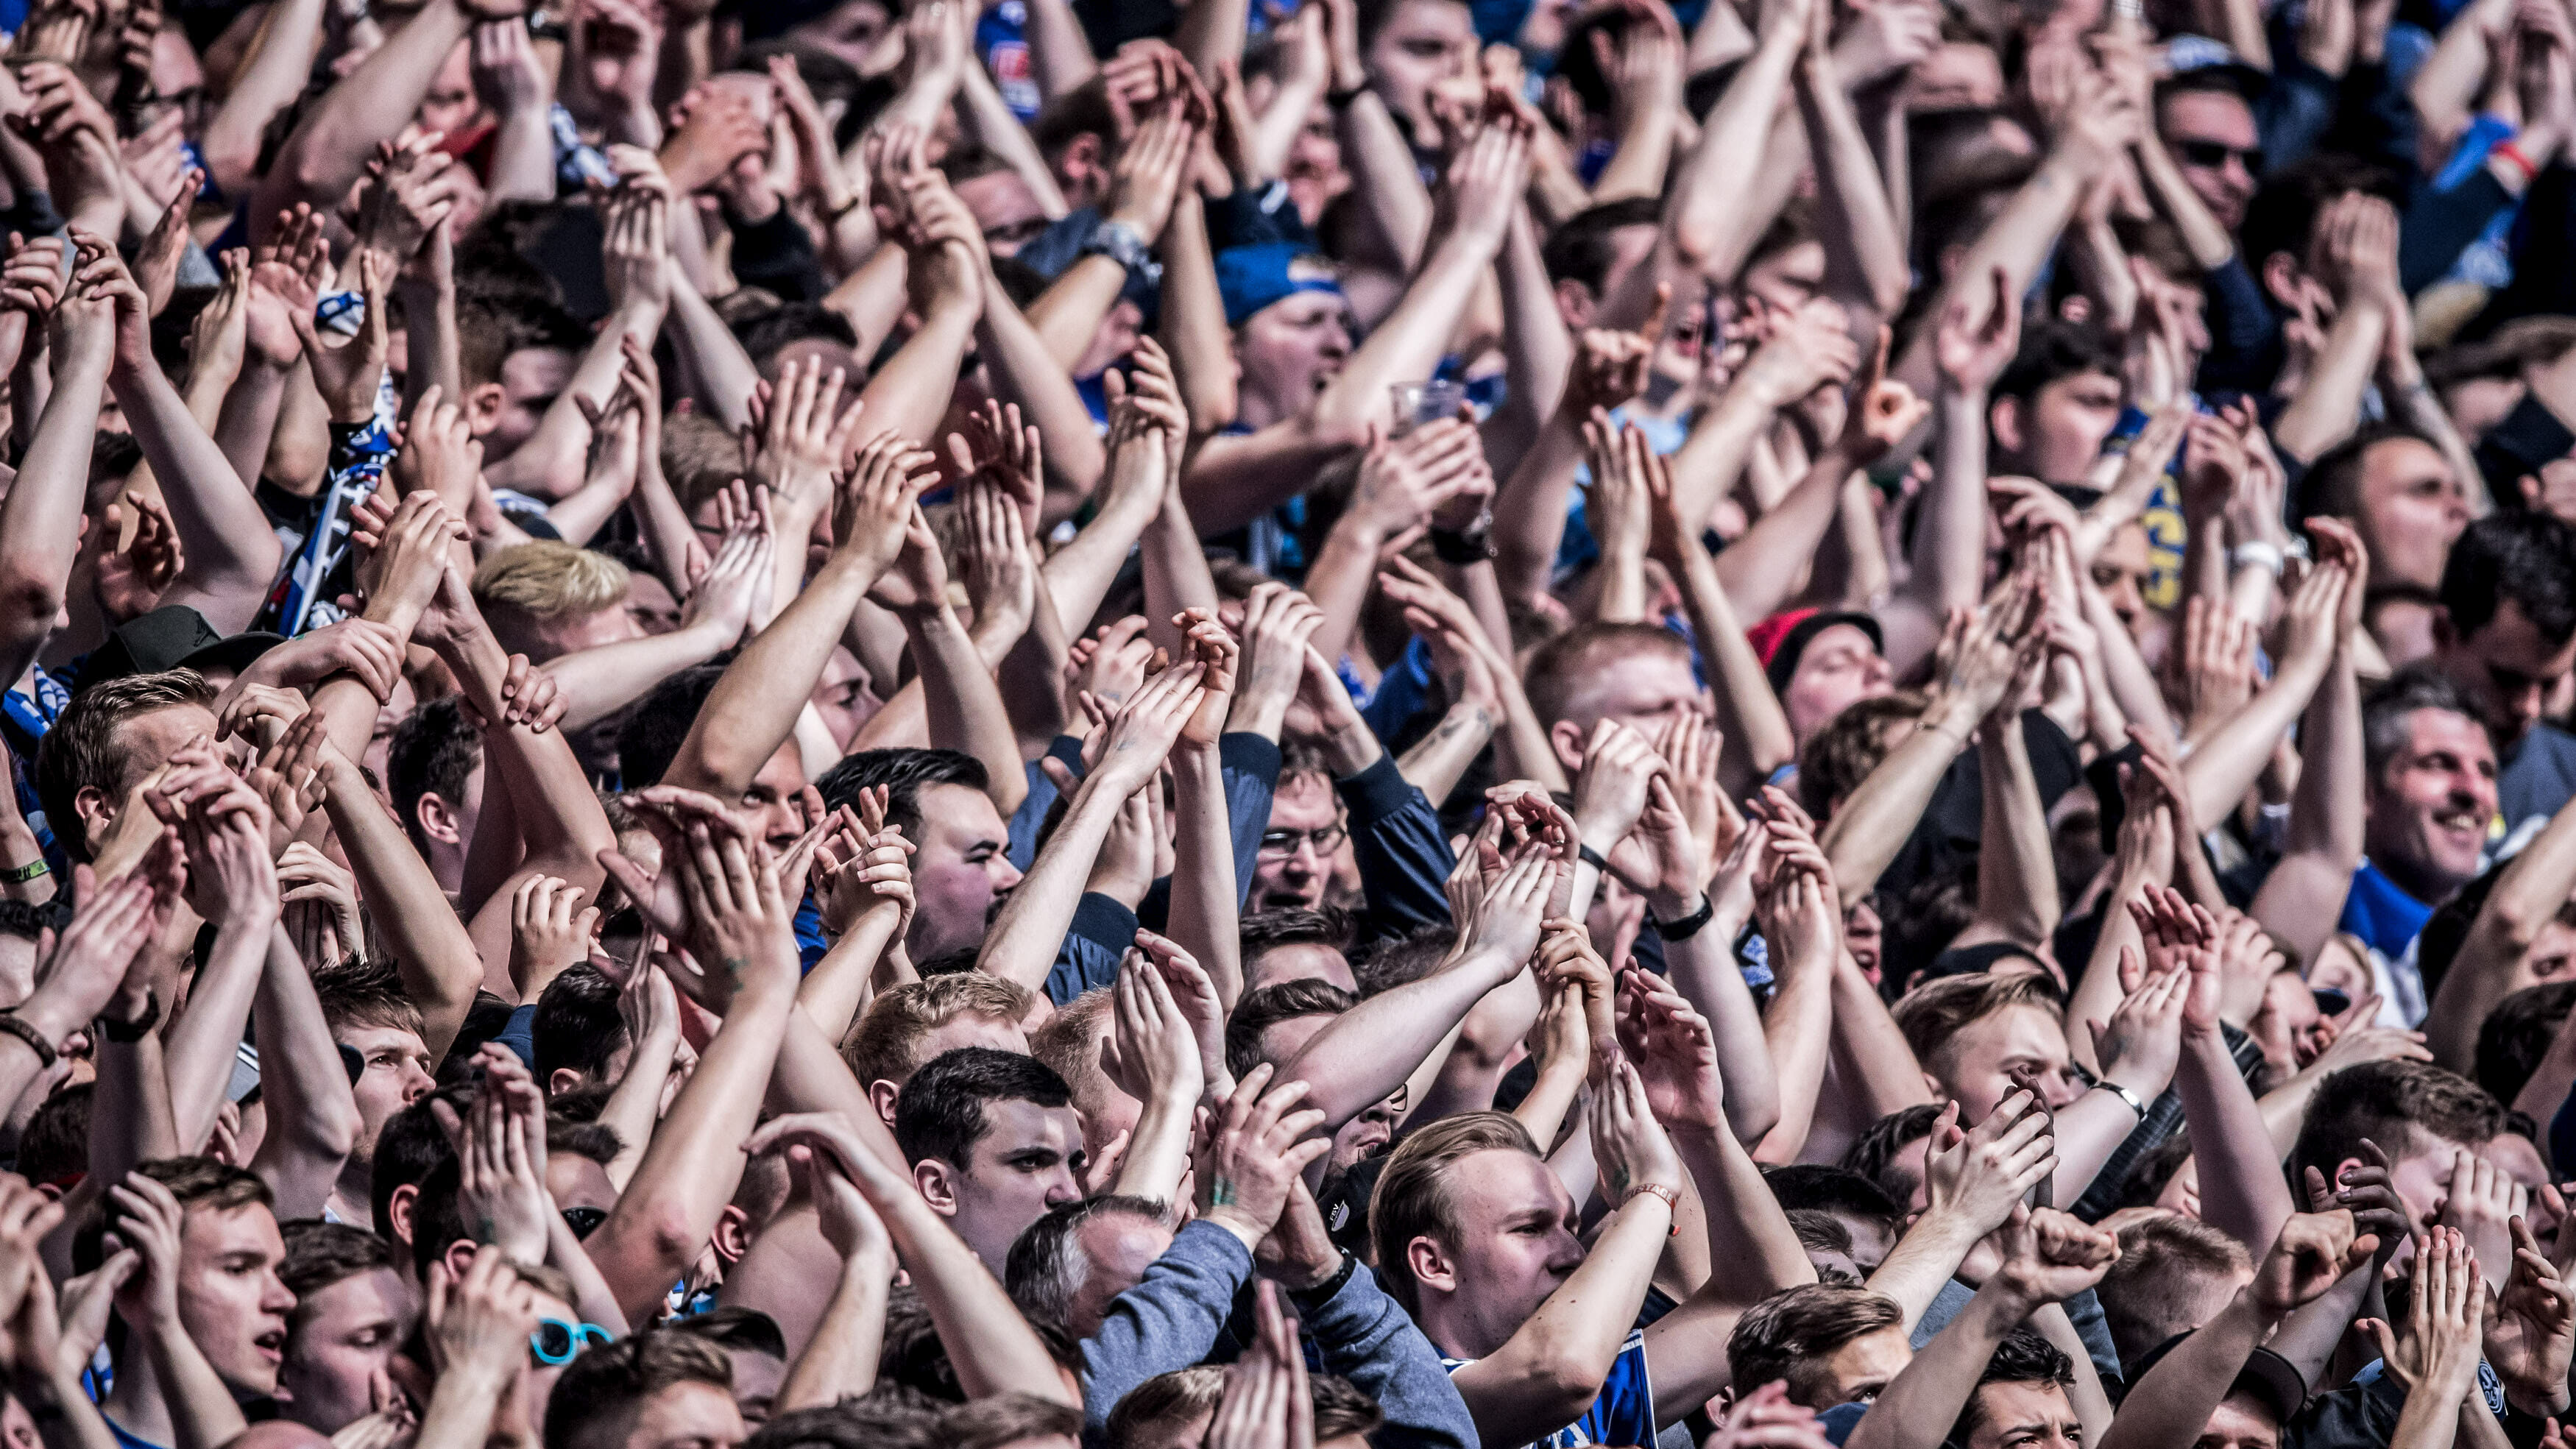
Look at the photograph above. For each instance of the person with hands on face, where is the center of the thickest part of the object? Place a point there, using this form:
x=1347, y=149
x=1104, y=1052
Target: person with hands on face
x=478, y=1324
x=1973, y=1180
x=205, y=1299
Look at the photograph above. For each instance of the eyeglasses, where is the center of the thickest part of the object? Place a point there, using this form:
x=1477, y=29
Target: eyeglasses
x=556, y=1341
x=584, y=1220
x=1281, y=844
x=2214, y=154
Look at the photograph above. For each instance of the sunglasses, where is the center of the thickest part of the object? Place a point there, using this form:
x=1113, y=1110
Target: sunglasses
x=2214, y=154
x=584, y=1220
x=555, y=1341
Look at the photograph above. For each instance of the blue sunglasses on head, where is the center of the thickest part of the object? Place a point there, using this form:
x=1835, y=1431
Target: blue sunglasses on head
x=556, y=1341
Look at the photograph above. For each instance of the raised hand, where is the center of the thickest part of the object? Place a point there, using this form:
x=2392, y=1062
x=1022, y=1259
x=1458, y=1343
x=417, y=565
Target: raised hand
x=1979, y=332
x=551, y=931
x=501, y=1192
x=1674, y=1052
x=1259, y=1146
x=1980, y=1175
x=1146, y=728
x=1610, y=366
x=2315, y=1251
x=2050, y=1256
x=1631, y=1147
x=2532, y=1335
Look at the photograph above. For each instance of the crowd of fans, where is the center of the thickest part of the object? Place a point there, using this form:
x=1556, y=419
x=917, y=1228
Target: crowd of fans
x=1445, y=724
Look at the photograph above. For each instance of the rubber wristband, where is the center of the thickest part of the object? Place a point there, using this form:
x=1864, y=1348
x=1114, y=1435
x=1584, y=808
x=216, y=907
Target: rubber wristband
x=21, y=874
x=1672, y=1202
x=1688, y=926
x=1592, y=858
x=2511, y=154
x=18, y=1026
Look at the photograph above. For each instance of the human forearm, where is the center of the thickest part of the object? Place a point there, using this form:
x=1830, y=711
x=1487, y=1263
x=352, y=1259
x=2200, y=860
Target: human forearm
x=708, y=351
x=1440, y=759
x=910, y=393
x=598, y=682
x=1022, y=371
x=1205, y=911
x=1764, y=566
x=1704, y=219
x=2329, y=405
x=1021, y=946
x=1176, y=572
x=40, y=515
x=2303, y=897
x=280, y=61
x=1066, y=316
x=232, y=552
x=1365, y=1053
x=2241, y=1189
x=2202, y=234
x=198, y=1052
x=2017, y=885
x=2224, y=765
x=963, y=705
x=430, y=946
x=1865, y=833
x=312, y=1118
x=693, y=1164
x=1384, y=175
x=1874, y=1069
x=841, y=1358
x=1529, y=511
x=370, y=104
x=754, y=704
x=1865, y=253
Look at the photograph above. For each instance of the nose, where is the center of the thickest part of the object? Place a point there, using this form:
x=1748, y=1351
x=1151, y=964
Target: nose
x=1006, y=875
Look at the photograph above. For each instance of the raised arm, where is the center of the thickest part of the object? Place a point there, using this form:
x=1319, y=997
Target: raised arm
x=232, y=552
x=312, y=1118
x=330, y=146
x=40, y=516
x=753, y=707
x=2302, y=899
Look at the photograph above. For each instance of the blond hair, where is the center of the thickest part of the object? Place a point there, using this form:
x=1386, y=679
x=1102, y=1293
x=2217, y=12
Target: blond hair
x=548, y=579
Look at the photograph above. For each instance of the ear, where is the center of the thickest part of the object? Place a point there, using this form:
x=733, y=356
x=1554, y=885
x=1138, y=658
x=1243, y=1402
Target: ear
x=1431, y=1267
x=459, y=1257
x=483, y=407
x=438, y=819
x=2282, y=279
x=881, y=1095
x=1575, y=303
x=937, y=1183
x=565, y=1079
x=398, y=1214
x=96, y=809
x=1566, y=738
x=1080, y=157
x=2003, y=419
x=733, y=1234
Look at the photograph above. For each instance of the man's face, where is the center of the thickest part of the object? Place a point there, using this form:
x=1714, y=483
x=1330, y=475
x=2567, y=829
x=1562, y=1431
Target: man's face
x=756, y=1378
x=1515, y=1244
x=2061, y=428
x=687, y=1415
x=959, y=873
x=1306, y=816
x=1990, y=1058
x=1839, y=668
x=1629, y=245
x=1023, y=1165
x=1423, y=43
x=1290, y=350
x=572, y=633
x=2286, y=1027
x=2421, y=1174
x=2212, y=136
x=2412, y=510
x=1120, y=1246
x=2241, y=1422
x=145, y=743
x=775, y=796
x=2509, y=668
x=343, y=1336
x=2025, y=1416
x=1302, y=961
x=2121, y=571
x=450, y=105
x=650, y=606
x=1005, y=208
x=230, y=1298
x=531, y=379
x=396, y=1075
x=2432, y=802
x=842, y=696
x=1641, y=689
x=1862, y=1367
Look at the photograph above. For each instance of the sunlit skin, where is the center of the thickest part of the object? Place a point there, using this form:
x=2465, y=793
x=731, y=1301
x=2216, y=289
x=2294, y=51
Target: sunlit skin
x=2121, y=571
x=2025, y=1416
x=1514, y=1244
x=1303, y=804
x=2431, y=804
x=1120, y=1247
x=1302, y=961
x=2412, y=510
x=1028, y=1161
x=230, y=1299
x=686, y=1415
x=146, y=742
x=1361, y=1138
x=960, y=870
x=965, y=1029
x=1422, y=43
x=396, y=1074
x=1856, y=1371
x=1994, y=1056
x=341, y=1337
x=1838, y=668
x=1642, y=688
x=1290, y=350
x=505, y=413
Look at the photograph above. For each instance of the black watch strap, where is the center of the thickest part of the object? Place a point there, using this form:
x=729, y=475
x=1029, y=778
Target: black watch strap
x=25, y=1031
x=1323, y=1292
x=132, y=1031
x=1462, y=546
x=1688, y=926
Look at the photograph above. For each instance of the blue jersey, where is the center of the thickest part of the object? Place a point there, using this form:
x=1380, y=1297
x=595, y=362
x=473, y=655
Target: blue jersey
x=1623, y=1414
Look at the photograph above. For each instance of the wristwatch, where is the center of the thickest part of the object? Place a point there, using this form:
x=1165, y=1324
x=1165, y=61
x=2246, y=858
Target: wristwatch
x=1120, y=243
x=1688, y=926
x=1473, y=544
x=2105, y=1084
x=132, y=1031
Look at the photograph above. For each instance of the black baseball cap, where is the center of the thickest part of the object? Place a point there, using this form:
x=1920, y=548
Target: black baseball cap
x=173, y=636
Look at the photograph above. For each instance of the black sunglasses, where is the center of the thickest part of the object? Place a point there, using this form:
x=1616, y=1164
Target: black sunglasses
x=584, y=1220
x=2214, y=154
